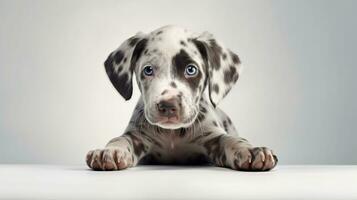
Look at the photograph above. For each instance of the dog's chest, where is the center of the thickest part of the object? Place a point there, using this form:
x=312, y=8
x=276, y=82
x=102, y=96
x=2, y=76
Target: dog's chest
x=175, y=148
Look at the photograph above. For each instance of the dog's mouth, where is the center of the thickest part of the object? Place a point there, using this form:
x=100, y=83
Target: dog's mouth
x=173, y=122
x=169, y=120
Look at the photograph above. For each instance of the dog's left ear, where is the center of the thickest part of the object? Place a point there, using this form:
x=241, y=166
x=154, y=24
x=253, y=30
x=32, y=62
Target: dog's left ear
x=120, y=64
x=223, y=66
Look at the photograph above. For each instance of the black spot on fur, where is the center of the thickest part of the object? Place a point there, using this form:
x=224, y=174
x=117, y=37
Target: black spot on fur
x=231, y=75
x=201, y=117
x=215, y=88
x=121, y=82
x=133, y=41
x=120, y=68
x=197, y=159
x=180, y=61
x=215, y=123
x=206, y=134
x=211, y=54
x=118, y=56
x=137, y=142
x=225, y=125
x=146, y=51
x=173, y=84
x=116, y=139
x=142, y=76
x=146, y=87
x=224, y=56
x=183, y=43
x=151, y=139
x=223, y=159
x=235, y=58
x=164, y=92
x=159, y=32
x=149, y=159
x=213, y=146
x=158, y=154
x=215, y=54
x=203, y=109
x=137, y=52
x=196, y=139
x=201, y=47
x=183, y=132
x=180, y=95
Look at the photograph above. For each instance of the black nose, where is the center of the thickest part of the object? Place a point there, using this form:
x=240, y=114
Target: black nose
x=168, y=108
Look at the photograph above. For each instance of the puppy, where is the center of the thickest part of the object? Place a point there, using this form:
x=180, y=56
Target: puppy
x=175, y=120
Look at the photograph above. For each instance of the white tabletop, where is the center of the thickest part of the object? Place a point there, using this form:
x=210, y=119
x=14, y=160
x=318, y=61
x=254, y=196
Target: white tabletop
x=175, y=182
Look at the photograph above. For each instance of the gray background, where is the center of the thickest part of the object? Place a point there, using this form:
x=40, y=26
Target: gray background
x=297, y=94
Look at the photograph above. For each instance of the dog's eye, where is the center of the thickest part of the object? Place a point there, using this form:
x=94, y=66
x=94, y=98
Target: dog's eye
x=191, y=70
x=148, y=70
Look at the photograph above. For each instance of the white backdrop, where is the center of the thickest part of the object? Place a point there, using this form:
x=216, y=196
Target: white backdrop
x=297, y=94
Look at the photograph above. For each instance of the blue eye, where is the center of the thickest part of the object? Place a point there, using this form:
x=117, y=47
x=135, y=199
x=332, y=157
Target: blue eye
x=191, y=70
x=148, y=70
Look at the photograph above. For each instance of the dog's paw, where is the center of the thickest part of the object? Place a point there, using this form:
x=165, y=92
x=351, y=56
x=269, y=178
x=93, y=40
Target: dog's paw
x=109, y=159
x=254, y=159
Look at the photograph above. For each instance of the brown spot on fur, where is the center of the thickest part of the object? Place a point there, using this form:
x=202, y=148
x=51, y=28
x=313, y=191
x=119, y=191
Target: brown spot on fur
x=173, y=84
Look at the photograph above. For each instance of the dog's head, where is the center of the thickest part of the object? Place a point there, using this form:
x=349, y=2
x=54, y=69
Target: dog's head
x=173, y=67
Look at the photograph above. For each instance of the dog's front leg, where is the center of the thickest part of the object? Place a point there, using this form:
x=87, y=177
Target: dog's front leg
x=120, y=153
x=236, y=153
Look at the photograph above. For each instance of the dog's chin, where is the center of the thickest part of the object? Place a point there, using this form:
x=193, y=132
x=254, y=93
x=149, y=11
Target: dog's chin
x=171, y=123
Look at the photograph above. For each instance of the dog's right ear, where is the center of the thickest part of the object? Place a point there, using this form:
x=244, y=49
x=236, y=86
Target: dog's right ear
x=120, y=64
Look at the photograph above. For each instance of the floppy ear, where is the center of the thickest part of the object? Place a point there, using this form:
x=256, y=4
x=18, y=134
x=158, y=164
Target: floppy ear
x=222, y=66
x=120, y=64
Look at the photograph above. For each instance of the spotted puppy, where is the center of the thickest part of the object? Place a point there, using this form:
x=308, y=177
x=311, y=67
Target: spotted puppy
x=175, y=120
